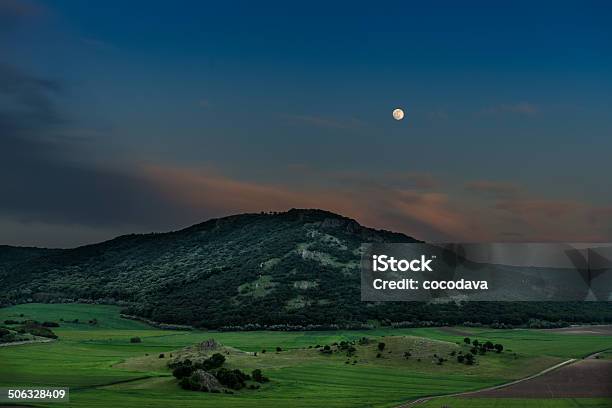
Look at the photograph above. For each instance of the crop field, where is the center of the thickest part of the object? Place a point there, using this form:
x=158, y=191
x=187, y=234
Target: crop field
x=103, y=368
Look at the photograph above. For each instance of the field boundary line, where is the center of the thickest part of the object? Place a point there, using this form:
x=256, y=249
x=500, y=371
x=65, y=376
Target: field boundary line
x=144, y=377
x=495, y=387
x=20, y=343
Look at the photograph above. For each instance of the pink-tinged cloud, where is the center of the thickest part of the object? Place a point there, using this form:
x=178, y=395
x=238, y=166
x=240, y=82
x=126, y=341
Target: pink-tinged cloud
x=541, y=208
x=493, y=188
x=423, y=215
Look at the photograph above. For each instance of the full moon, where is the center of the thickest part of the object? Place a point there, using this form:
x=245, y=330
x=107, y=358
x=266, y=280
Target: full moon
x=398, y=114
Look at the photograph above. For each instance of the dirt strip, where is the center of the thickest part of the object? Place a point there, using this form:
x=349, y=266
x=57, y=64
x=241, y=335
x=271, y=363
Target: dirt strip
x=587, y=378
x=19, y=343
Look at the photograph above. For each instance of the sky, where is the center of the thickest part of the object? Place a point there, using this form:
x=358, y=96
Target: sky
x=152, y=116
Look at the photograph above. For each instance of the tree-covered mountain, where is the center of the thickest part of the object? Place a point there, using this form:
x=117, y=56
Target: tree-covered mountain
x=299, y=267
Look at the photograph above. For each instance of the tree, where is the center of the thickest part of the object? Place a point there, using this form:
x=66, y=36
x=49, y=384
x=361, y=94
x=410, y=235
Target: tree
x=467, y=340
x=381, y=346
x=278, y=349
x=469, y=359
x=475, y=343
x=135, y=340
x=498, y=347
x=488, y=345
x=460, y=358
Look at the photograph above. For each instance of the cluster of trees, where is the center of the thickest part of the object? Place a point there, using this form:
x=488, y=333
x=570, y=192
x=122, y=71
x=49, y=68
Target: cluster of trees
x=31, y=322
x=36, y=329
x=191, y=374
x=483, y=347
x=467, y=359
x=347, y=347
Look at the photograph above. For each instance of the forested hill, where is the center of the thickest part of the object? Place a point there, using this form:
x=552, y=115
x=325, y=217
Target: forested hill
x=299, y=267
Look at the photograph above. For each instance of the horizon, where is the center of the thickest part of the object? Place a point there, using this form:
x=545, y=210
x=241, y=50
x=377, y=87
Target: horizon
x=182, y=228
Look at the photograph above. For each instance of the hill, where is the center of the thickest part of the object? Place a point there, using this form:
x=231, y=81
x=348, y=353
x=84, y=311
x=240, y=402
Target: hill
x=298, y=268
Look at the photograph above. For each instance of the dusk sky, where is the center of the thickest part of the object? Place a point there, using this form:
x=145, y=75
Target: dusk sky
x=152, y=116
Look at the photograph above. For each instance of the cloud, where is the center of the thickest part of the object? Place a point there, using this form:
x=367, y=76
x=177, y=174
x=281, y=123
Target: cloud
x=420, y=214
x=14, y=12
x=494, y=189
x=540, y=208
x=41, y=182
x=521, y=108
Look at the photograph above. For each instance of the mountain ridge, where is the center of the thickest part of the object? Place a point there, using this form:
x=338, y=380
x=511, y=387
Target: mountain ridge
x=298, y=268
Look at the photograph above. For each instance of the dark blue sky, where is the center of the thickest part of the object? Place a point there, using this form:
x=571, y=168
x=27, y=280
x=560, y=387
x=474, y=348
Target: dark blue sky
x=141, y=116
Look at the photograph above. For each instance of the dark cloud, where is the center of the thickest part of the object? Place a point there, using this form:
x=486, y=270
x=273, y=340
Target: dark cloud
x=14, y=12
x=42, y=180
x=26, y=103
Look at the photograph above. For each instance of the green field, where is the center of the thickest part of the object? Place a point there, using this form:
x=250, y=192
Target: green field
x=102, y=368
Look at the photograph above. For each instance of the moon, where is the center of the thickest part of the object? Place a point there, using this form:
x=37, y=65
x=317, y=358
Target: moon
x=398, y=114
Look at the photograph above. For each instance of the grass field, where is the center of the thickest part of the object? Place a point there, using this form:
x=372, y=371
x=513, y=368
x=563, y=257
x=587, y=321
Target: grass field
x=102, y=368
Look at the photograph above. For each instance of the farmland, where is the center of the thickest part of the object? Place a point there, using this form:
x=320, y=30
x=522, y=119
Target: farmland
x=103, y=368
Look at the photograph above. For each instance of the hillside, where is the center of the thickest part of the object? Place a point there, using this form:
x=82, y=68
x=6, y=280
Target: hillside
x=299, y=267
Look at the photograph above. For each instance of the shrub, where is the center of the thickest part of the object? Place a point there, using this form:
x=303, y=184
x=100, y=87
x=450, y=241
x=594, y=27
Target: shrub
x=37, y=330
x=214, y=361
x=258, y=376
x=498, y=348
x=233, y=379
x=162, y=355
x=279, y=349
x=381, y=346
x=467, y=340
x=11, y=322
x=50, y=324
x=135, y=340
x=182, y=371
